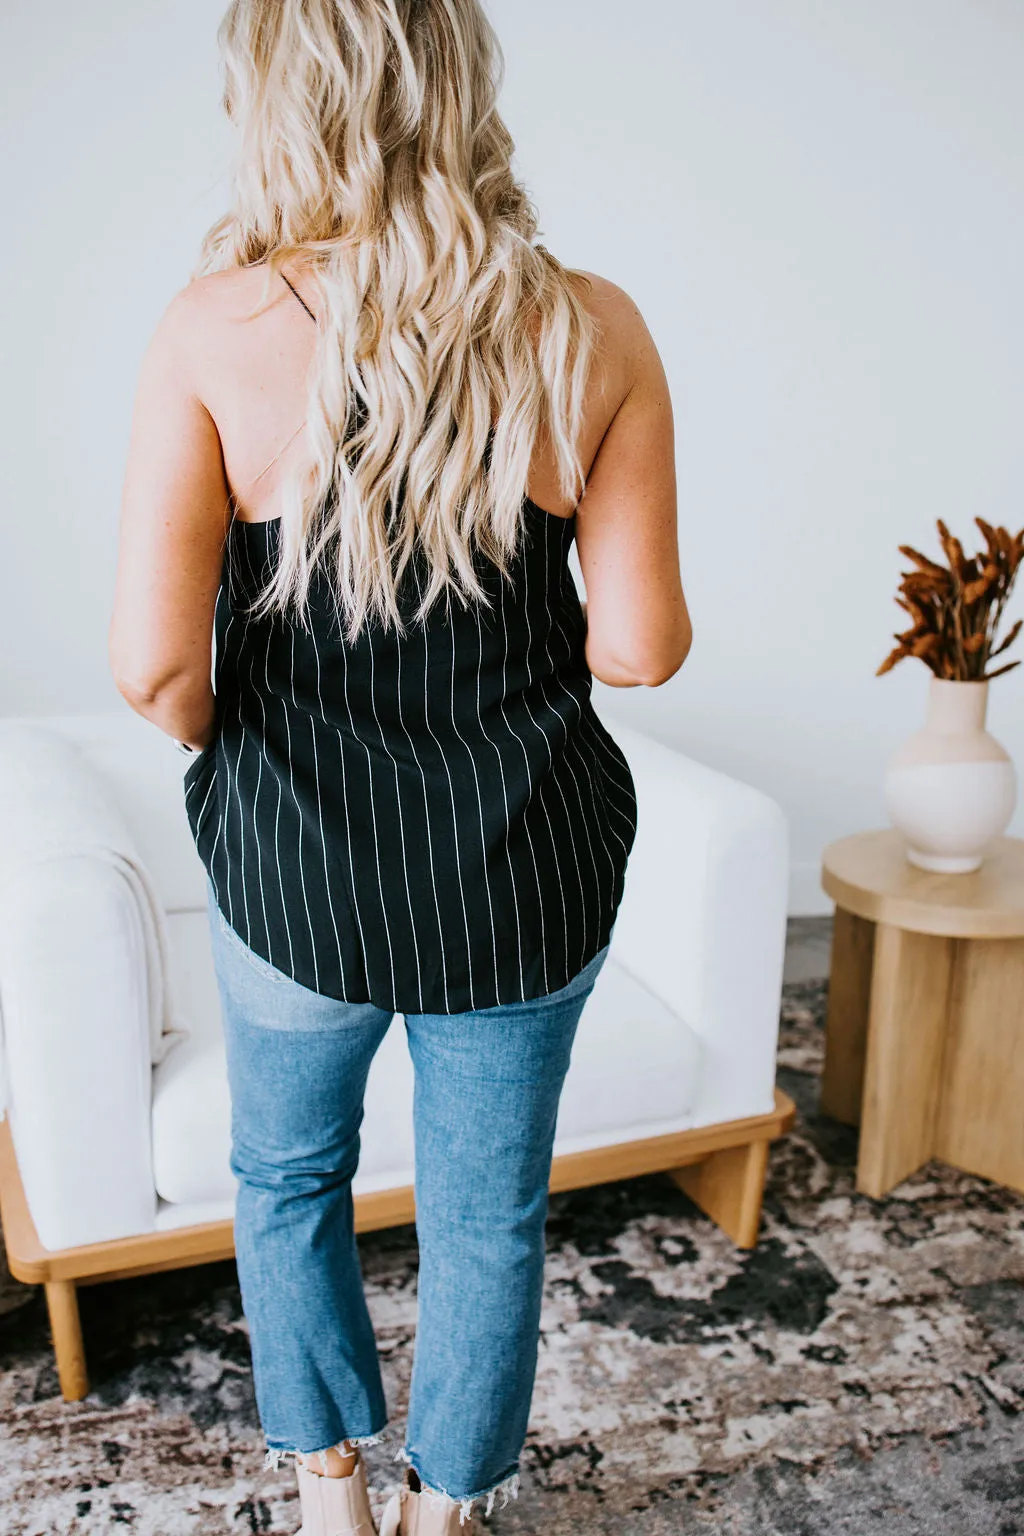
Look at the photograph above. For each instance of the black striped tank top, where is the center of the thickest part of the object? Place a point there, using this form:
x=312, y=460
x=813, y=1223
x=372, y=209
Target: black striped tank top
x=432, y=822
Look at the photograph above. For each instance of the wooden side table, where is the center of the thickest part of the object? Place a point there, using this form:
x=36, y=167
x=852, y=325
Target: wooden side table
x=925, y=1030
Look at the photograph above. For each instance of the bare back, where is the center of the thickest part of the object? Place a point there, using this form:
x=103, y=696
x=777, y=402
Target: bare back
x=251, y=376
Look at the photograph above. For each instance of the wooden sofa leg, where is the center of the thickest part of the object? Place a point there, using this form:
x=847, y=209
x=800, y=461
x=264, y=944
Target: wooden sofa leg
x=728, y=1187
x=68, y=1346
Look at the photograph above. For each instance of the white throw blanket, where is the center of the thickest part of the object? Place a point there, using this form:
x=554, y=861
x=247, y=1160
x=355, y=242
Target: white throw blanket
x=54, y=806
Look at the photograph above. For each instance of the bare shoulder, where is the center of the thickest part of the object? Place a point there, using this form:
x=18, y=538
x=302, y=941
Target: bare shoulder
x=219, y=299
x=624, y=341
x=612, y=307
x=203, y=322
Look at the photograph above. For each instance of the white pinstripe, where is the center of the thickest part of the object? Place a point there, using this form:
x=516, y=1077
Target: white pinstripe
x=588, y=778
x=202, y=808
x=238, y=799
x=480, y=813
x=209, y=788
x=588, y=775
x=602, y=744
x=551, y=764
x=455, y=819
x=568, y=822
x=627, y=819
x=259, y=781
x=529, y=780
x=216, y=835
x=255, y=812
x=217, y=652
x=504, y=796
x=238, y=765
x=565, y=727
x=430, y=841
x=344, y=799
x=320, y=811
x=401, y=820
x=298, y=807
x=222, y=823
x=277, y=817
x=190, y=787
x=373, y=819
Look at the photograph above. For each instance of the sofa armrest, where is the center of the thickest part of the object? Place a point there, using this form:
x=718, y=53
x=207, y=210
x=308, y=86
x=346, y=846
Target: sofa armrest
x=703, y=919
x=75, y=1036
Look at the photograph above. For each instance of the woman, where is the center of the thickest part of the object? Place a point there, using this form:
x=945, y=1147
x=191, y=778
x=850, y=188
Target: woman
x=365, y=438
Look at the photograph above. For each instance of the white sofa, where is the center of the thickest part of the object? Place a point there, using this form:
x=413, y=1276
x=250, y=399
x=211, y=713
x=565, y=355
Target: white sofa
x=114, y=1164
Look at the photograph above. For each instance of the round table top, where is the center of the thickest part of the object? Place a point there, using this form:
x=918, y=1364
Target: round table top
x=869, y=874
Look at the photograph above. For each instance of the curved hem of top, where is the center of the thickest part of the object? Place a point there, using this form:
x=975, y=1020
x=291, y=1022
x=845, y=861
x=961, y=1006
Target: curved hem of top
x=396, y=1007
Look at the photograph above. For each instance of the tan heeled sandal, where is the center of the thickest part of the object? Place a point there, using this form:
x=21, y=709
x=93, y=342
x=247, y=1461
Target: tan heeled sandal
x=335, y=1506
x=415, y=1511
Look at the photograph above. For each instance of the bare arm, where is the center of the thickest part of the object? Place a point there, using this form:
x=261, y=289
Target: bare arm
x=174, y=517
x=638, y=627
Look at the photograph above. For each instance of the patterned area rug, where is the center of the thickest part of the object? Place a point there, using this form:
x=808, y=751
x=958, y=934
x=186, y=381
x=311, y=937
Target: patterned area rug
x=861, y=1371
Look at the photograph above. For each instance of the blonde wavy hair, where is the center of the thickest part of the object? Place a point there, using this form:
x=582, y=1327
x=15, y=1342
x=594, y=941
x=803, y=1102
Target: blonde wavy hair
x=450, y=340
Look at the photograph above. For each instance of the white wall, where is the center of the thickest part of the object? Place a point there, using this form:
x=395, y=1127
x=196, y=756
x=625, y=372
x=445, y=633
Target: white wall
x=816, y=205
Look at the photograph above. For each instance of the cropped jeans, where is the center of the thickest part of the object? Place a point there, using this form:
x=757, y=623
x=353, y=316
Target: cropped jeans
x=487, y=1086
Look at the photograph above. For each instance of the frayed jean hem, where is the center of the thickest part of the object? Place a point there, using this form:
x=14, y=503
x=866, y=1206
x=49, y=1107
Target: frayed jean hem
x=506, y=1488
x=276, y=1454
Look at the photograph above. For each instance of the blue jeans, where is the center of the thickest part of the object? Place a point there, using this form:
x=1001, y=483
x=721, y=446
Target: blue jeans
x=487, y=1085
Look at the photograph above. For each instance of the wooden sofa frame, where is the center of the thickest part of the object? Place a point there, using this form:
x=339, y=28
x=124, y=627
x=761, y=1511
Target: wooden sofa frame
x=721, y=1167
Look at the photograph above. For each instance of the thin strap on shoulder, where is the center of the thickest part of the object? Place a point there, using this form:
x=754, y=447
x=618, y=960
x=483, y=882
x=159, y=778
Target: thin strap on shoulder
x=301, y=300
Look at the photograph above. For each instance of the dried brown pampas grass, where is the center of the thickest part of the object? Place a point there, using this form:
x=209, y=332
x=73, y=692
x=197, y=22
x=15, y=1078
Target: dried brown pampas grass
x=956, y=609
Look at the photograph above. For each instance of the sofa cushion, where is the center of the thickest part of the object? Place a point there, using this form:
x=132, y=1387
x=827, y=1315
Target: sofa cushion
x=143, y=769
x=634, y=1073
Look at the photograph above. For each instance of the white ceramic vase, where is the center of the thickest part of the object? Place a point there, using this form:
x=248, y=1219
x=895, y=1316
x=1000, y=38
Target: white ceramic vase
x=951, y=788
